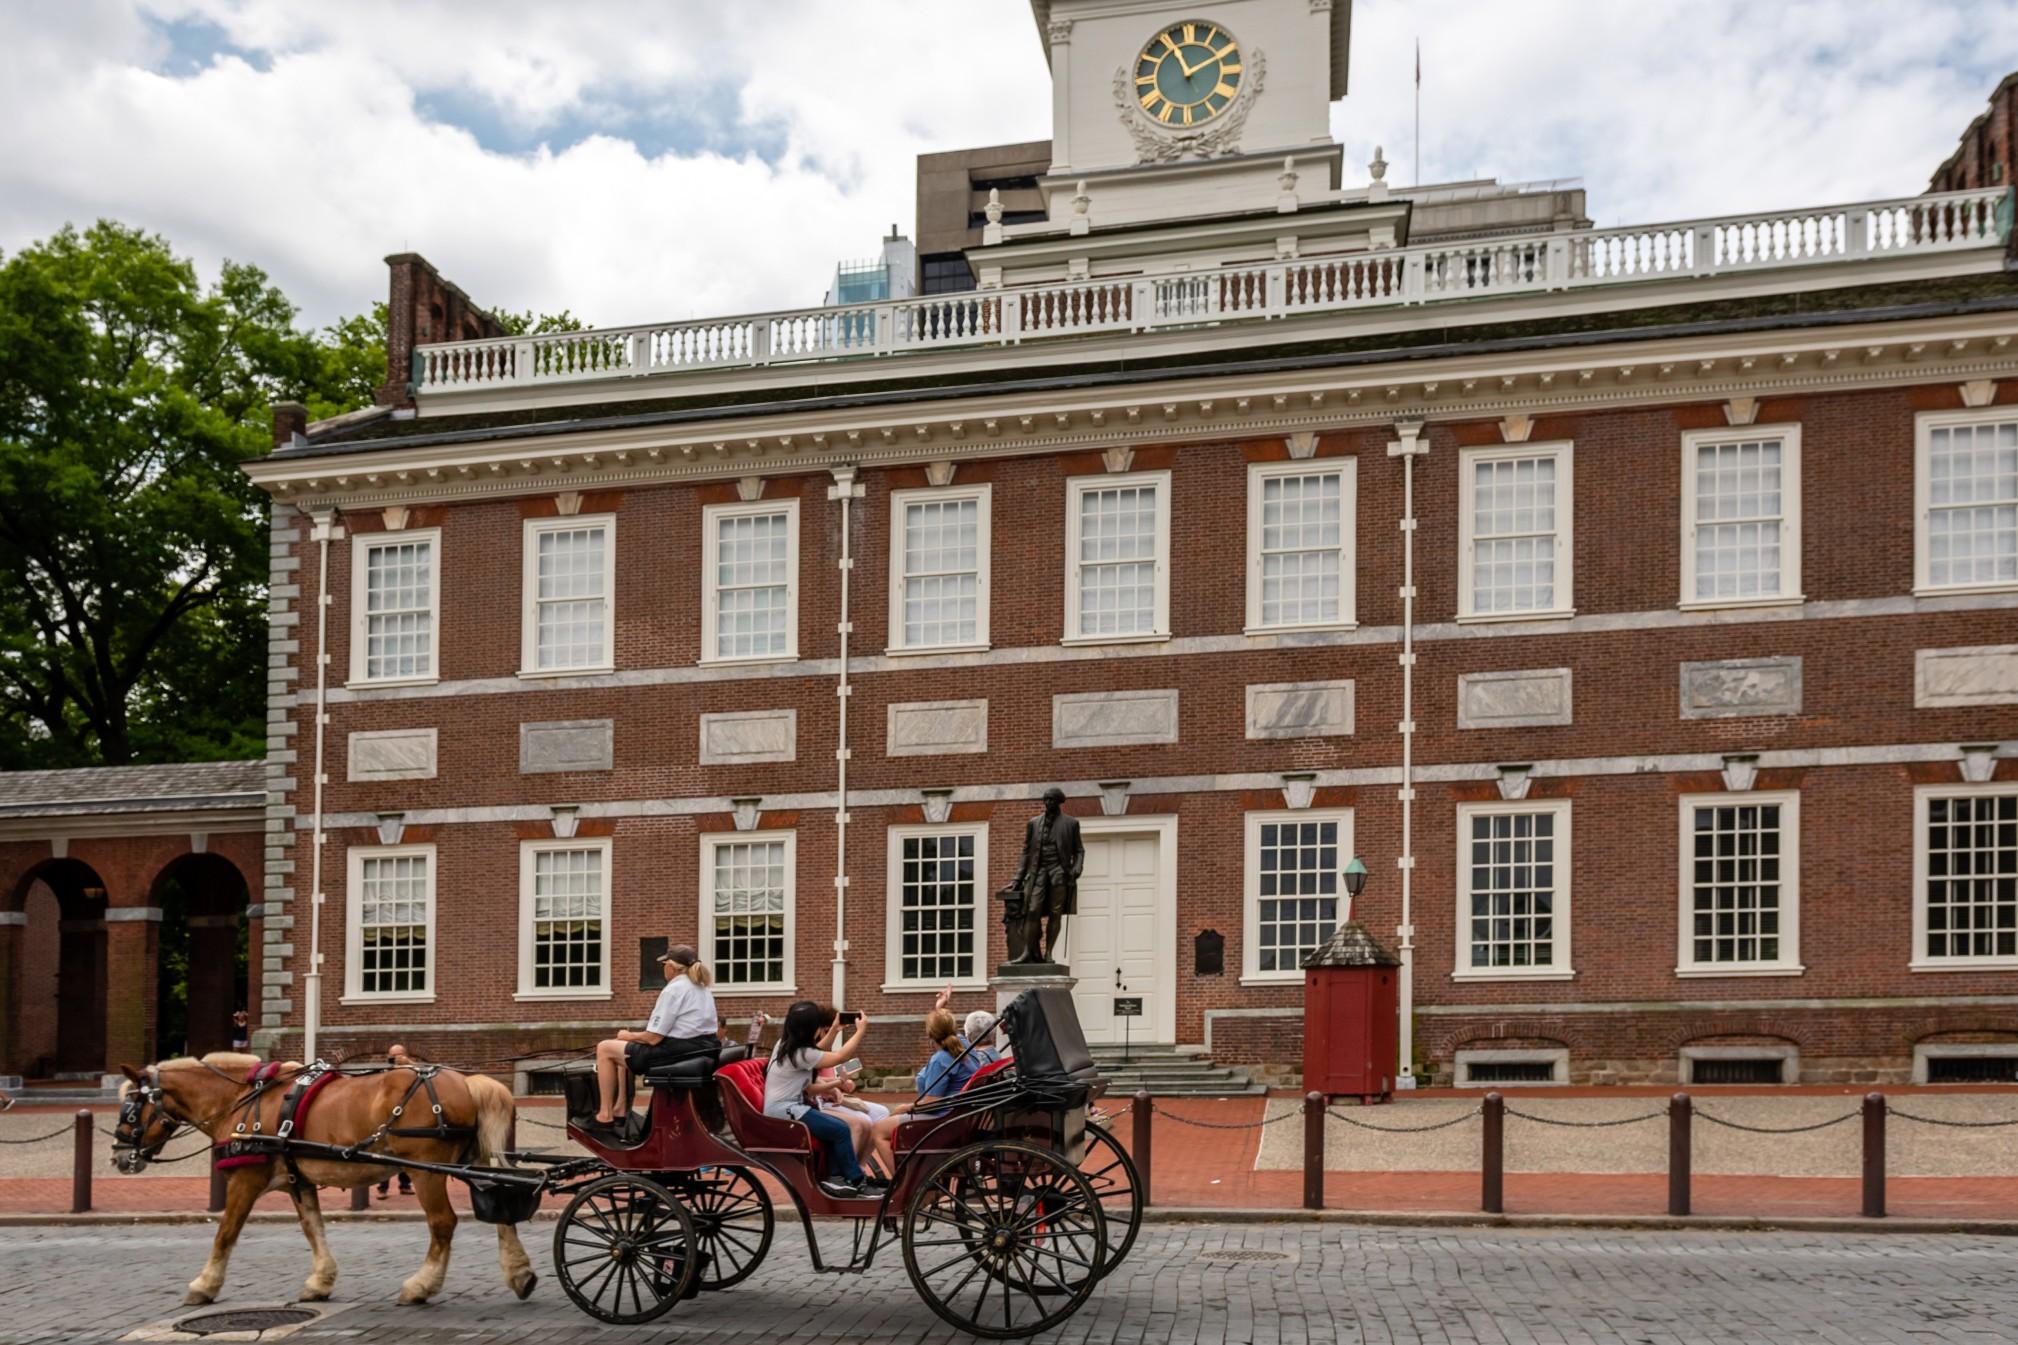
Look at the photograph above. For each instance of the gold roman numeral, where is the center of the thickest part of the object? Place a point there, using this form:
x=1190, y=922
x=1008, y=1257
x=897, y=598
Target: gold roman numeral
x=1223, y=89
x=1141, y=80
x=1150, y=100
x=1187, y=116
x=1190, y=32
x=1168, y=110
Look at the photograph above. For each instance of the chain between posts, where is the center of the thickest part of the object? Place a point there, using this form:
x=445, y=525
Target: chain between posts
x=1778, y=1130
x=1588, y=1125
x=1223, y=1125
x=1444, y=1124
x=1957, y=1125
x=66, y=1128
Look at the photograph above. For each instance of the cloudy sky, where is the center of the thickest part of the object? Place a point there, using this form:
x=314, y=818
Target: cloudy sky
x=645, y=161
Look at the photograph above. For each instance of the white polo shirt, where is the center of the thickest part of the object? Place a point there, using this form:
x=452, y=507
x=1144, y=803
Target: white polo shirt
x=684, y=1010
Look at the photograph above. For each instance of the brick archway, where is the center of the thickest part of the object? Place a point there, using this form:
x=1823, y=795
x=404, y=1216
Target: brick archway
x=56, y=1001
x=201, y=952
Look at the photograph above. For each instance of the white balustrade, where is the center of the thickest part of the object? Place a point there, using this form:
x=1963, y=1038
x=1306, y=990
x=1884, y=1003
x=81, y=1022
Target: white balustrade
x=1426, y=274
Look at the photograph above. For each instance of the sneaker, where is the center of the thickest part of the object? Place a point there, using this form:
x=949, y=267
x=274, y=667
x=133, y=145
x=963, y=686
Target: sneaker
x=841, y=1189
x=875, y=1183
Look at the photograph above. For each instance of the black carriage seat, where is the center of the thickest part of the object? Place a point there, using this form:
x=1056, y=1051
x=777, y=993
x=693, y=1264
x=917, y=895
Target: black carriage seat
x=696, y=1071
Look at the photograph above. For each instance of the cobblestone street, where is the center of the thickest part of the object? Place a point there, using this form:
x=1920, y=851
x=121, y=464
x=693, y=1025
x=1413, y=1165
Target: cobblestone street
x=1185, y=1282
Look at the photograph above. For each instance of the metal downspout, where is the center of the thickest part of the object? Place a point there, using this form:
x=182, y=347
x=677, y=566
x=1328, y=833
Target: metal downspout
x=847, y=490
x=1408, y=448
x=325, y=531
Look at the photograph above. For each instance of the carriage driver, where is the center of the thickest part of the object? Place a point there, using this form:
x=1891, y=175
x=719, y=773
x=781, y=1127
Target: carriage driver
x=683, y=1023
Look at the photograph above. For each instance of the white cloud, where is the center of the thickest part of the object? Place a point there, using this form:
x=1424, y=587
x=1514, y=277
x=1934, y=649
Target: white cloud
x=314, y=152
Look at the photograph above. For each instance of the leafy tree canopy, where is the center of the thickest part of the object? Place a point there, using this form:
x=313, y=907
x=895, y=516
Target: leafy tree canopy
x=133, y=555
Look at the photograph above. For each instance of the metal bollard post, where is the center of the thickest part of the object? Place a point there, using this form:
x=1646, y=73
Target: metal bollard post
x=1874, y=1155
x=80, y=1172
x=360, y=1197
x=1681, y=1115
x=1313, y=1151
x=1143, y=1109
x=1492, y=1164
x=217, y=1181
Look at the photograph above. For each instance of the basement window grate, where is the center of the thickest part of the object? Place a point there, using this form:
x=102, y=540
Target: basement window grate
x=1972, y=1068
x=1745, y=1069
x=544, y=1083
x=1509, y=1071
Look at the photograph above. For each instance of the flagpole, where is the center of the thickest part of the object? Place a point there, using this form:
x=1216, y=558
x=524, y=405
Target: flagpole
x=1418, y=112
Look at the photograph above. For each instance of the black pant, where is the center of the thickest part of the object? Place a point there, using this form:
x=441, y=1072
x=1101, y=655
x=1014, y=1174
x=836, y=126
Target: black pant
x=641, y=1058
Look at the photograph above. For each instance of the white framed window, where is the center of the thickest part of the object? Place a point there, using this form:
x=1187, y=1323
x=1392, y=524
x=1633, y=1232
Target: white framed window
x=1513, y=891
x=1965, y=489
x=750, y=581
x=747, y=884
x=1295, y=879
x=1516, y=526
x=939, y=569
x=1117, y=558
x=568, y=624
x=395, y=606
x=1965, y=876
x=937, y=916
x=1740, y=885
x=389, y=947
x=1741, y=516
x=1300, y=544
x=564, y=919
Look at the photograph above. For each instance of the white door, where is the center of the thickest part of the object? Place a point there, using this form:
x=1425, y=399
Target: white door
x=1111, y=945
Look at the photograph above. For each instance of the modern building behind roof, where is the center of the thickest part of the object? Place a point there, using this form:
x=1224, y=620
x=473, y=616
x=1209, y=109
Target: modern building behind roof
x=1636, y=602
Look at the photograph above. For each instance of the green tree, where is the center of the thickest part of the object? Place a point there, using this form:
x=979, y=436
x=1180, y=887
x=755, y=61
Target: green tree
x=132, y=548
x=353, y=355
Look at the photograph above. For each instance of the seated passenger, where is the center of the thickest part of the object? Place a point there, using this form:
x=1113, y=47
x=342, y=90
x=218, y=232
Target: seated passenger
x=683, y=1023
x=979, y=1030
x=797, y=1058
x=945, y=1074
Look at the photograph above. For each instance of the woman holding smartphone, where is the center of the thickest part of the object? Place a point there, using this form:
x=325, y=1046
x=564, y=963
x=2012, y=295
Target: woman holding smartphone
x=795, y=1061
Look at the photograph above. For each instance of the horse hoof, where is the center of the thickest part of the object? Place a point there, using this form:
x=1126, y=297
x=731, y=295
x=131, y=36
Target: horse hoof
x=196, y=1298
x=524, y=1287
x=313, y=1296
x=409, y=1294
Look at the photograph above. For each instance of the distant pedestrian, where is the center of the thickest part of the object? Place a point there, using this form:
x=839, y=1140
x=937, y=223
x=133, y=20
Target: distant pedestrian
x=397, y=1058
x=241, y=1032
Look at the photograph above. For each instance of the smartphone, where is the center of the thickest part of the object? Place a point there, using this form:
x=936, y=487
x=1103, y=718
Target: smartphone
x=848, y=1067
x=850, y=1017
x=756, y=1030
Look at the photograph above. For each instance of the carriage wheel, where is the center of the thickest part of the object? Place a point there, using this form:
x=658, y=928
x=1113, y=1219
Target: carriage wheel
x=1004, y=1239
x=625, y=1250
x=732, y=1216
x=1119, y=1186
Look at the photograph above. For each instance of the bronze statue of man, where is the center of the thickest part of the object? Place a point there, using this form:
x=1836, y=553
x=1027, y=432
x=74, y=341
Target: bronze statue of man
x=1047, y=880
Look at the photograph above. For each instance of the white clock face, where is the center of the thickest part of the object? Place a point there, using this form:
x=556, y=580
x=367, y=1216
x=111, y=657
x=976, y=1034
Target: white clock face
x=1188, y=73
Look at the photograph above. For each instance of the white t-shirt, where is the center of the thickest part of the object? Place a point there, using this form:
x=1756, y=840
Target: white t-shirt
x=786, y=1080
x=684, y=1010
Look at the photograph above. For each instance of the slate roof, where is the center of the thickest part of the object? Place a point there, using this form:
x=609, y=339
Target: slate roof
x=1792, y=310
x=1351, y=946
x=186, y=787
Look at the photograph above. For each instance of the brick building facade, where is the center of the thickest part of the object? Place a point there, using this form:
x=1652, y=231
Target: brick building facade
x=1638, y=604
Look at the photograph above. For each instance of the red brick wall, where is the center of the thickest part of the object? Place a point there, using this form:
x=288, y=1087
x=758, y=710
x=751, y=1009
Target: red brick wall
x=1986, y=156
x=1857, y=488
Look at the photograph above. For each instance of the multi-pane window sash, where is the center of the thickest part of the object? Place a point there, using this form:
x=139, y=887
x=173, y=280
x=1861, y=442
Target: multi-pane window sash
x=1299, y=865
x=752, y=583
x=1299, y=520
x=392, y=924
x=750, y=901
x=1743, y=499
x=1970, y=881
x=568, y=895
x=937, y=907
x=570, y=597
x=1736, y=876
x=399, y=604
x=1512, y=870
x=941, y=571
x=1118, y=559
x=1516, y=520
x=1971, y=504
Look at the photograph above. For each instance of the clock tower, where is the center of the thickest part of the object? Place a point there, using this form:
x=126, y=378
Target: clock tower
x=1165, y=110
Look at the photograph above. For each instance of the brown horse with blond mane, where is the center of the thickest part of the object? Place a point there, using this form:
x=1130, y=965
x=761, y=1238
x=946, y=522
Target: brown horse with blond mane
x=214, y=1095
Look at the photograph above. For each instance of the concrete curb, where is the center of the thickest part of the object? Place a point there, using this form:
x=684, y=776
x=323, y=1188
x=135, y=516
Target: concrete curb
x=1650, y=1223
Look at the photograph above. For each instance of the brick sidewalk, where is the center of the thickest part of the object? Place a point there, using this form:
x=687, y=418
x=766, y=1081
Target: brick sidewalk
x=1203, y=1168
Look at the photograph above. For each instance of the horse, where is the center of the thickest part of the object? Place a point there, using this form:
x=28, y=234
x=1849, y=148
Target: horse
x=215, y=1094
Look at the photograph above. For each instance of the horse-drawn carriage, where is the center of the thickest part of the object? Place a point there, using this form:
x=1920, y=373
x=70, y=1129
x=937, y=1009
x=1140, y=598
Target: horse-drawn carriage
x=1008, y=1201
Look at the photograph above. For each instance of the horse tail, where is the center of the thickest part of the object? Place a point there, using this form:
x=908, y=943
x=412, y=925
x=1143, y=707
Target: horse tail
x=495, y=1116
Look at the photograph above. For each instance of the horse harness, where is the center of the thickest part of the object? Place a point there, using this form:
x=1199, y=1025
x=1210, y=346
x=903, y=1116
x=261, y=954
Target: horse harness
x=249, y=1144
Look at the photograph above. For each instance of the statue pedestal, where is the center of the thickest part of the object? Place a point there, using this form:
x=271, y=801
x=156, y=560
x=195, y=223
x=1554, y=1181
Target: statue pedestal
x=1012, y=979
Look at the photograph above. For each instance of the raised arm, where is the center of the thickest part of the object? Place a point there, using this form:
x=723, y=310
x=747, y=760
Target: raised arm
x=848, y=1049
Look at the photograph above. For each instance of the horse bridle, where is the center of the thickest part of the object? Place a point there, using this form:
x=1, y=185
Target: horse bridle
x=128, y=1134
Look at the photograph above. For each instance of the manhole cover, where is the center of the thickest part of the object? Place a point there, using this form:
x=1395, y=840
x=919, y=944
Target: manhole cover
x=244, y=1319
x=1243, y=1254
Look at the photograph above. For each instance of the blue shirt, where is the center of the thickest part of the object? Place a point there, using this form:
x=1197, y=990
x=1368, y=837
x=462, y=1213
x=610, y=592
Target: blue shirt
x=942, y=1077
